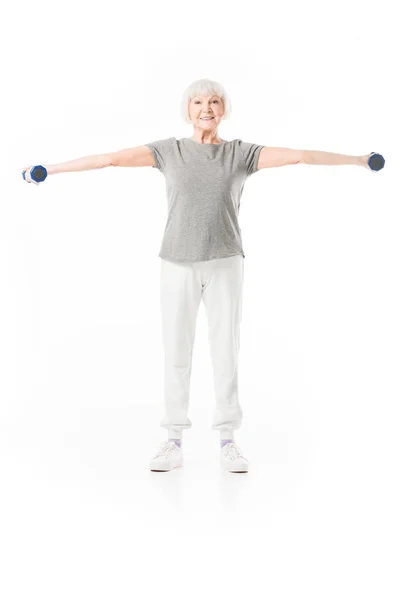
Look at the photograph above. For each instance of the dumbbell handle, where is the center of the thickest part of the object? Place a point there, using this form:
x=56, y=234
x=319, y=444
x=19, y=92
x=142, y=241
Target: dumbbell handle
x=37, y=173
x=376, y=162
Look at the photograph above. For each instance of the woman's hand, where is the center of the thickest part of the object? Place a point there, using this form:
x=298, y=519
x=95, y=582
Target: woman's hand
x=377, y=161
x=364, y=161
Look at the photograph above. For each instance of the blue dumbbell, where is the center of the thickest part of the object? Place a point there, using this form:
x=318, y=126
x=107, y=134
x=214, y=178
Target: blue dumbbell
x=38, y=173
x=376, y=162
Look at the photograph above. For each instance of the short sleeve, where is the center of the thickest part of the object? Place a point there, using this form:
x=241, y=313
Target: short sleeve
x=161, y=151
x=250, y=153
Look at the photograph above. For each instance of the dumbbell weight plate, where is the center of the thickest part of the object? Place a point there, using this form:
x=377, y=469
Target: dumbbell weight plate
x=38, y=173
x=376, y=162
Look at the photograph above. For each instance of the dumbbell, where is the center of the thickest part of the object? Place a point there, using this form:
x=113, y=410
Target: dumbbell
x=38, y=173
x=376, y=162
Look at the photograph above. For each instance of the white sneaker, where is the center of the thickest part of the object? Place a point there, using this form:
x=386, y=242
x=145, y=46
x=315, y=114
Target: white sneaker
x=168, y=456
x=232, y=459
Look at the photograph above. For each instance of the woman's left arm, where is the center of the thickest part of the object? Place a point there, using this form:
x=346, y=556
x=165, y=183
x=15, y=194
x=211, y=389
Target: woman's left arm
x=279, y=157
x=317, y=157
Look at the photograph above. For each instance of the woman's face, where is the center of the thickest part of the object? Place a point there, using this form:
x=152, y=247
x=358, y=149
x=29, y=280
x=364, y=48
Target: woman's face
x=206, y=106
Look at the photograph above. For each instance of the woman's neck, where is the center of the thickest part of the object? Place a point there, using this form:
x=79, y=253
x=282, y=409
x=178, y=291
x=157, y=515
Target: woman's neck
x=200, y=138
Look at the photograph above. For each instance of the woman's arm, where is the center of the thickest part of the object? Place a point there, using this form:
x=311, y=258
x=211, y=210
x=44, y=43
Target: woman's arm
x=96, y=161
x=317, y=157
x=279, y=157
x=140, y=156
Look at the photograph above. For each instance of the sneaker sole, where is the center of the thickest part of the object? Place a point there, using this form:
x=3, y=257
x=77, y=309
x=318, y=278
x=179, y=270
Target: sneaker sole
x=160, y=469
x=231, y=469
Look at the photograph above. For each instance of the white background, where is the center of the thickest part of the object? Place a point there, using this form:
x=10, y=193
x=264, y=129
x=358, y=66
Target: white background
x=81, y=350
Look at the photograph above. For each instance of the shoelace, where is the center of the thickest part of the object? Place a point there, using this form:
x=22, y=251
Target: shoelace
x=165, y=449
x=232, y=451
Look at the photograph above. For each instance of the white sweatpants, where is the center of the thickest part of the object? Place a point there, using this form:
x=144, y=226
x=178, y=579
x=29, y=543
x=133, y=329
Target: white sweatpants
x=219, y=284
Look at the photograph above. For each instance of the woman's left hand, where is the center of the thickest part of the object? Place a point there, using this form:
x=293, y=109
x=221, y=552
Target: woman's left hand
x=364, y=160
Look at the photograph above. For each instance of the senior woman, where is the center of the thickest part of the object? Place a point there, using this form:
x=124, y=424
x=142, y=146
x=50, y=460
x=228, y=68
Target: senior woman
x=202, y=255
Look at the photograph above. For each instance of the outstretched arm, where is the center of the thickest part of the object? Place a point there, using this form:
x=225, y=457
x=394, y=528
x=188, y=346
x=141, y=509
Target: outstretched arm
x=279, y=157
x=139, y=156
x=317, y=157
x=86, y=163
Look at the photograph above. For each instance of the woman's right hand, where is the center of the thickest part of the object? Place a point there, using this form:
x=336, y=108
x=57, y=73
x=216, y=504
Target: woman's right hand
x=28, y=175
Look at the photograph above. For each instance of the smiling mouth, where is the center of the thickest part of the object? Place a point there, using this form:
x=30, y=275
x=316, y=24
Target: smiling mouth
x=206, y=118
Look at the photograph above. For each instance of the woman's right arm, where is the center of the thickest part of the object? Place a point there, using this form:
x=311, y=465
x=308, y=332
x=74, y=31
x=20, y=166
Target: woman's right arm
x=96, y=161
x=141, y=156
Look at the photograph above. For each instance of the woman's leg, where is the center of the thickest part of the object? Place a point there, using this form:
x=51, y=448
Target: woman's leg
x=222, y=296
x=180, y=294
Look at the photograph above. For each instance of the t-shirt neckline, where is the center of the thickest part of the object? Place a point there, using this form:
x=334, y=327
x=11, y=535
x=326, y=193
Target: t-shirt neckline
x=199, y=144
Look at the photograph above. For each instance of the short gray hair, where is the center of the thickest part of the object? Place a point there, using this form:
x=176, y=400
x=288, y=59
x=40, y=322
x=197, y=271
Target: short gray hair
x=204, y=87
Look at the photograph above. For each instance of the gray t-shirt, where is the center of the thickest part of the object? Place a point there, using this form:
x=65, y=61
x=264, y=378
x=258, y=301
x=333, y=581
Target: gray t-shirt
x=204, y=184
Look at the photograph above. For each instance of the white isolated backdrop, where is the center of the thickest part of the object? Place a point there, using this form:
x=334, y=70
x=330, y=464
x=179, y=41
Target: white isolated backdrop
x=81, y=348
